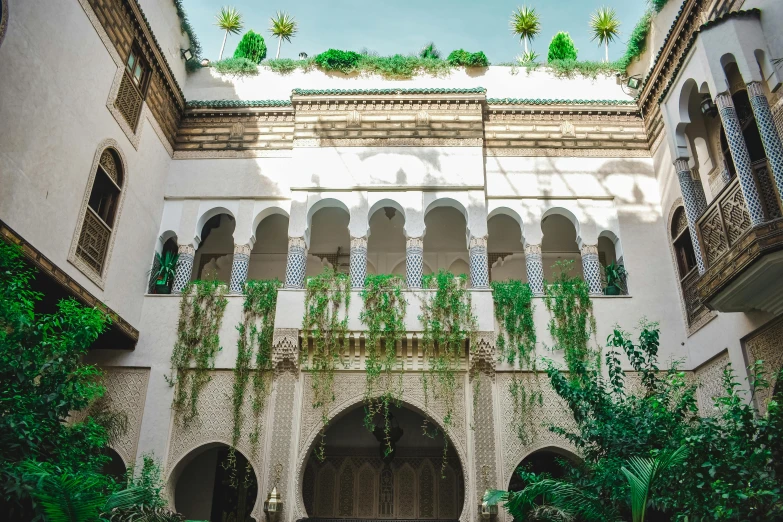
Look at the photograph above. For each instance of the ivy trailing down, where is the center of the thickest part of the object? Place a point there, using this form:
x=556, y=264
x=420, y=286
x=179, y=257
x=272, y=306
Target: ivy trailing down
x=572, y=323
x=254, y=344
x=200, y=316
x=447, y=319
x=517, y=342
x=384, y=317
x=324, y=294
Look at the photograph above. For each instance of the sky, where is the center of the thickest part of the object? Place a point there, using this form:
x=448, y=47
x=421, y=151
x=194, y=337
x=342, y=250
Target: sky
x=404, y=26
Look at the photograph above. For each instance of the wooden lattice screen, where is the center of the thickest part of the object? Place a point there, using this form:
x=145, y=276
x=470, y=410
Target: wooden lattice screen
x=93, y=241
x=129, y=101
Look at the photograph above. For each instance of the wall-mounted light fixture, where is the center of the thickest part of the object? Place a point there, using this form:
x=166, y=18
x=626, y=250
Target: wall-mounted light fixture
x=273, y=505
x=486, y=510
x=634, y=82
x=187, y=54
x=708, y=106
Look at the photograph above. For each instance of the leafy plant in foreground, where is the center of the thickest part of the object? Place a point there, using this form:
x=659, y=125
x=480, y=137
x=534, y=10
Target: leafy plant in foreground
x=561, y=47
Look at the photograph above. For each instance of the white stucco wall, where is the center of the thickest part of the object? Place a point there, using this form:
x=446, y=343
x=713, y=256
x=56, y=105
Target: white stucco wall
x=49, y=136
x=165, y=24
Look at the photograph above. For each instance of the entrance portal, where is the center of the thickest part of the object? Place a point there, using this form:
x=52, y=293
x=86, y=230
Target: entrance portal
x=355, y=481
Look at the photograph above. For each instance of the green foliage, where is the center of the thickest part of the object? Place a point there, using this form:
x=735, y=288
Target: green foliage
x=605, y=27
x=525, y=23
x=637, y=41
x=166, y=267
x=429, y=51
x=514, y=312
x=572, y=68
x=529, y=57
x=658, y=5
x=287, y=65
x=561, y=48
x=255, y=338
x=384, y=317
x=44, y=381
x=448, y=321
x=252, y=47
x=463, y=58
x=187, y=29
x=200, y=315
x=284, y=27
x=229, y=20
x=336, y=60
x=572, y=323
x=236, y=67
x=325, y=294
x=644, y=473
x=616, y=275
x=148, y=481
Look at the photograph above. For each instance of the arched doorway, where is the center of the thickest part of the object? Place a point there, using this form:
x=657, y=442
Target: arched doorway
x=355, y=482
x=115, y=467
x=207, y=485
x=551, y=460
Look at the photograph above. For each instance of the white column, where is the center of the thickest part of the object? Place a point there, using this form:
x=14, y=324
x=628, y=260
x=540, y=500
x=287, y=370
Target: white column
x=297, y=263
x=592, y=269
x=239, y=268
x=535, y=269
x=695, y=204
x=479, y=263
x=414, y=261
x=184, y=268
x=358, y=261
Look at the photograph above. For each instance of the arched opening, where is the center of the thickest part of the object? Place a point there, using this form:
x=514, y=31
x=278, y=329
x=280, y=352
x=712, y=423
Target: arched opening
x=215, y=253
x=115, y=467
x=163, y=267
x=207, y=486
x=551, y=461
x=683, y=246
x=386, y=244
x=354, y=481
x=505, y=250
x=559, y=245
x=444, y=241
x=270, y=251
x=330, y=241
x=608, y=256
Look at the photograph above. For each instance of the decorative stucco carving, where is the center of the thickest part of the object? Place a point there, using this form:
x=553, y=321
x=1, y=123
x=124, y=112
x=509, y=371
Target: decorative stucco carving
x=220, y=154
x=767, y=346
x=388, y=142
x=710, y=379
x=282, y=439
x=482, y=354
x=559, y=151
x=285, y=350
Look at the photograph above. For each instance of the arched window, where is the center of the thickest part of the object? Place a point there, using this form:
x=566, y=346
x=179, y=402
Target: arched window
x=683, y=247
x=100, y=211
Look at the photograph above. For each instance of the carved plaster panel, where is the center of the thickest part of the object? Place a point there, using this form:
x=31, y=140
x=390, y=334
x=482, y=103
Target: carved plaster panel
x=766, y=346
x=710, y=379
x=594, y=152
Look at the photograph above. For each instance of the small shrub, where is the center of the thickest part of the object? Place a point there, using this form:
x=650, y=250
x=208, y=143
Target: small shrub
x=572, y=68
x=462, y=58
x=561, y=47
x=236, y=67
x=397, y=66
x=336, y=60
x=287, y=65
x=430, y=51
x=659, y=4
x=252, y=47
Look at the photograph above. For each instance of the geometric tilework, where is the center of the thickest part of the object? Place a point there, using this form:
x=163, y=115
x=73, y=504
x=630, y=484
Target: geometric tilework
x=358, y=261
x=297, y=263
x=184, y=268
x=741, y=157
x=768, y=132
x=535, y=269
x=592, y=269
x=695, y=204
x=479, y=263
x=239, y=271
x=414, y=261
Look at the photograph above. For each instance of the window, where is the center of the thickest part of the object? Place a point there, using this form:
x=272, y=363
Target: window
x=683, y=247
x=133, y=86
x=100, y=214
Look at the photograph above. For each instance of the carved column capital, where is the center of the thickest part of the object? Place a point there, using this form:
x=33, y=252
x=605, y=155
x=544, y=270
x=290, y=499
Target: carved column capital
x=681, y=165
x=532, y=250
x=359, y=242
x=242, y=250
x=755, y=89
x=296, y=242
x=186, y=250
x=477, y=242
x=285, y=350
x=589, y=249
x=414, y=242
x=723, y=100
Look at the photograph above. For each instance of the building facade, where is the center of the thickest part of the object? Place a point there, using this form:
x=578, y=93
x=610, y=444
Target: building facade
x=110, y=152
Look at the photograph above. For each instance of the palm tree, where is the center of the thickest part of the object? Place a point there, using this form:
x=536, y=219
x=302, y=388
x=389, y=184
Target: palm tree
x=230, y=21
x=605, y=27
x=643, y=475
x=525, y=23
x=284, y=27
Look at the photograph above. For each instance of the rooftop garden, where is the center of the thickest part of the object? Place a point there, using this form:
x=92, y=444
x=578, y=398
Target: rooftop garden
x=562, y=58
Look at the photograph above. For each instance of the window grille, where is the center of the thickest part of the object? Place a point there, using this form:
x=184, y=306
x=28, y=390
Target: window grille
x=129, y=101
x=93, y=241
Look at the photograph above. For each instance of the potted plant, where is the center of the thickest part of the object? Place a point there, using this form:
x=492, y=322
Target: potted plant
x=164, y=271
x=616, y=277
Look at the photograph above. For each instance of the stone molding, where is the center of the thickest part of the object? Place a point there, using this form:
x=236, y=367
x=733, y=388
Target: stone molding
x=232, y=154
x=559, y=151
x=92, y=275
x=388, y=142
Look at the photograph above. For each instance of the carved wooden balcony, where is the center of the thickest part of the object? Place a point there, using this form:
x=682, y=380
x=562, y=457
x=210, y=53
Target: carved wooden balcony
x=744, y=264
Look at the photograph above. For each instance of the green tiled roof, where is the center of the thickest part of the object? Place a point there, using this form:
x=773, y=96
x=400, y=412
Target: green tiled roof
x=749, y=13
x=401, y=90
x=540, y=101
x=219, y=104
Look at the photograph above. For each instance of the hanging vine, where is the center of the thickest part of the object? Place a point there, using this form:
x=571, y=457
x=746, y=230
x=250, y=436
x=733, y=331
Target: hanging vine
x=517, y=342
x=448, y=321
x=572, y=323
x=324, y=295
x=200, y=315
x=255, y=338
x=384, y=317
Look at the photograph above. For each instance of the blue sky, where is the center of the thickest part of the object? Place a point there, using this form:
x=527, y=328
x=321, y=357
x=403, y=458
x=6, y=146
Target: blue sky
x=404, y=26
